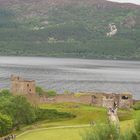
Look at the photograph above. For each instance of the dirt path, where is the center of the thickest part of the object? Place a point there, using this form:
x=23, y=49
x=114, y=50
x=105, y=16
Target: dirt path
x=113, y=117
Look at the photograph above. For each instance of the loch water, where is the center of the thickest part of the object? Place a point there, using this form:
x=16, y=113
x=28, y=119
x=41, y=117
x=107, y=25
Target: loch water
x=66, y=74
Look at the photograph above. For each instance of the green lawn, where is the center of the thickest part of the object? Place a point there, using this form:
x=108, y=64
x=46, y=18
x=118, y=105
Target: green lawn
x=84, y=114
x=55, y=134
x=66, y=133
x=128, y=124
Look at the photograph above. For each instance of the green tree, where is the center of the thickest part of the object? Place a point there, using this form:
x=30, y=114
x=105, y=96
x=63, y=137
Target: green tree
x=20, y=110
x=5, y=92
x=51, y=93
x=39, y=91
x=5, y=124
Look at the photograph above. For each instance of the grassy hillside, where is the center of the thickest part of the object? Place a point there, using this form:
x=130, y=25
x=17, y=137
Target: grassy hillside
x=74, y=128
x=74, y=28
x=55, y=134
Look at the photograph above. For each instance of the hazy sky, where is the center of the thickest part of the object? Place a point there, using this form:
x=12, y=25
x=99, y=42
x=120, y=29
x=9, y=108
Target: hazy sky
x=128, y=1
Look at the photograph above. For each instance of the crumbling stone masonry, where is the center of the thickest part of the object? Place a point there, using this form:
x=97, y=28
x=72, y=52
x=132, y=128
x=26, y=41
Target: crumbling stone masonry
x=108, y=100
x=22, y=86
x=123, y=100
x=98, y=99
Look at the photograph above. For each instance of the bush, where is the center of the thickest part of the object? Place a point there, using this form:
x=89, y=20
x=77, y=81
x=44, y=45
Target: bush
x=5, y=92
x=51, y=93
x=52, y=114
x=20, y=110
x=102, y=132
x=128, y=136
x=42, y=92
x=39, y=91
x=110, y=132
x=136, y=106
x=5, y=124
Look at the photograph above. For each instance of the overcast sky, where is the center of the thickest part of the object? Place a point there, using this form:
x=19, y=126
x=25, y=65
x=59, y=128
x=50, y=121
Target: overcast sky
x=127, y=1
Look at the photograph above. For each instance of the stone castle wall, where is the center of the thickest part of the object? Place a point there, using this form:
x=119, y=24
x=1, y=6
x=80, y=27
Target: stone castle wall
x=21, y=86
x=109, y=103
x=86, y=99
x=97, y=99
x=26, y=87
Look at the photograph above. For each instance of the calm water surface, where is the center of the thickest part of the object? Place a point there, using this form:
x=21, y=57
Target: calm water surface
x=74, y=74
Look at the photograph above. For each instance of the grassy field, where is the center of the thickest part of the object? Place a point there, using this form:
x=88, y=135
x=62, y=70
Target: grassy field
x=84, y=115
x=66, y=133
x=55, y=134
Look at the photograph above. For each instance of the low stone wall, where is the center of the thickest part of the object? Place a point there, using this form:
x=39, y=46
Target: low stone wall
x=103, y=100
x=108, y=103
x=126, y=103
x=85, y=99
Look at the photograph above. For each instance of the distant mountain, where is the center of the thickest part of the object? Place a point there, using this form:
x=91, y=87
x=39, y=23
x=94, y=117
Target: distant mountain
x=70, y=28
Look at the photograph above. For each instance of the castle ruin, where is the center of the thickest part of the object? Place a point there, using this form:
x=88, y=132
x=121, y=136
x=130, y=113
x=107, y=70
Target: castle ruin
x=123, y=100
x=108, y=100
x=22, y=86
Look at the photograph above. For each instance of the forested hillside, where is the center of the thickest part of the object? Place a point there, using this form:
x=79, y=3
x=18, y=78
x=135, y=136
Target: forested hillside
x=69, y=28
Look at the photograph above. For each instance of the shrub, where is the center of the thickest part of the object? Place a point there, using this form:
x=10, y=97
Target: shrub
x=128, y=136
x=5, y=92
x=20, y=110
x=67, y=92
x=5, y=124
x=39, y=91
x=42, y=92
x=102, y=132
x=52, y=114
x=51, y=93
x=136, y=106
x=108, y=132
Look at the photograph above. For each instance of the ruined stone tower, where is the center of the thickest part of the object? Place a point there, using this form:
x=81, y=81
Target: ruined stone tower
x=22, y=86
x=123, y=100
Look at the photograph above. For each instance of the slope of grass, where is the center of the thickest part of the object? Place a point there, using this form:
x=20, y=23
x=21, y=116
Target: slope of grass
x=71, y=30
x=127, y=119
x=84, y=115
x=55, y=134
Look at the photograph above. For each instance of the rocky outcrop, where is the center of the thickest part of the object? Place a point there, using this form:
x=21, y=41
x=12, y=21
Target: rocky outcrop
x=113, y=30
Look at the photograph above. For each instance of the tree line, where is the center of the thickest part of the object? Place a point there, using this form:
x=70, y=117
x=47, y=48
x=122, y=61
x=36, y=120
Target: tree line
x=16, y=111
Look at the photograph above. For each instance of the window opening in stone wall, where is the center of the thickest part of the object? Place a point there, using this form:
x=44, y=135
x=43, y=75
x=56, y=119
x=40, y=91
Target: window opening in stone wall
x=124, y=97
x=94, y=97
